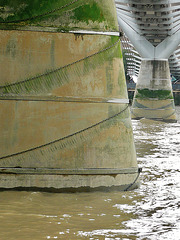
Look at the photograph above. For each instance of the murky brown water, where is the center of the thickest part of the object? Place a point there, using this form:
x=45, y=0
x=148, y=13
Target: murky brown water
x=150, y=212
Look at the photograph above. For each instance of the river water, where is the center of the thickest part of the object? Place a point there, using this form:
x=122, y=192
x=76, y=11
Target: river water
x=150, y=212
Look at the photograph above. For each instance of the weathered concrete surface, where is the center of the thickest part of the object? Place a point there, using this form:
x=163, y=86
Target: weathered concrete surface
x=59, y=105
x=69, y=183
x=153, y=97
x=38, y=57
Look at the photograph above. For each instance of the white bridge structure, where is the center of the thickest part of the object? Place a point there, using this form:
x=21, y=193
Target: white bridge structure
x=152, y=46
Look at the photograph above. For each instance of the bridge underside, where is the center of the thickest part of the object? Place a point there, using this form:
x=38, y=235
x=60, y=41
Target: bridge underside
x=152, y=37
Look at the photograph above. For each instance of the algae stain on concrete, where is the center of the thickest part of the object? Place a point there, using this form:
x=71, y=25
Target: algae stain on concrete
x=88, y=12
x=160, y=94
x=11, y=48
x=15, y=125
x=109, y=83
x=52, y=53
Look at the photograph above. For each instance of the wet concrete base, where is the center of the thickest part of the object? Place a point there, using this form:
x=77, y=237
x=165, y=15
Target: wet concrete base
x=156, y=119
x=69, y=183
x=121, y=188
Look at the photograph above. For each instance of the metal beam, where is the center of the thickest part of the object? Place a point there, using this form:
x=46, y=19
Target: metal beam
x=142, y=45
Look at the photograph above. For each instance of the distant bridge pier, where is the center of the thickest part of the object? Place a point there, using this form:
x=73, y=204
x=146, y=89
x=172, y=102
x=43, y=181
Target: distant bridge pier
x=153, y=98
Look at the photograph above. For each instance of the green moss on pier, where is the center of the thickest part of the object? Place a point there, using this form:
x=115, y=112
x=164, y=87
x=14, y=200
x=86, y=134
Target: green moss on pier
x=89, y=12
x=159, y=94
x=64, y=15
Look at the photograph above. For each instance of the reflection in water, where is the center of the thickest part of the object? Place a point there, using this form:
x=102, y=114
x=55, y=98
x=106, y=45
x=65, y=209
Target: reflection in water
x=150, y=212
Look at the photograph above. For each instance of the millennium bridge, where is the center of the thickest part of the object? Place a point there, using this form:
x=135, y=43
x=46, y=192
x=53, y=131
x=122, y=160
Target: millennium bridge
x=154, y=20
x=151, y=46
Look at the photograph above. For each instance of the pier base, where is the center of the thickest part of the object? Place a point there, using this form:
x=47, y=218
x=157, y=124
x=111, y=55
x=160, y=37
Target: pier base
x=63, y=180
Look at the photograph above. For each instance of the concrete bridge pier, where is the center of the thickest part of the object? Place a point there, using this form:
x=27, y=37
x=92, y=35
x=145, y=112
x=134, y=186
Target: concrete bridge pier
x=153, y=97
x=64, y=116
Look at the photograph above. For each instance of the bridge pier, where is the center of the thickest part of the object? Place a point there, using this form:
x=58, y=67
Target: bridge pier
x=65, y=121
x=153, y=98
